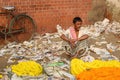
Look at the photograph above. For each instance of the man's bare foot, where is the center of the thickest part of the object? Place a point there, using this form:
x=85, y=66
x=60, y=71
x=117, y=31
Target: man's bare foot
x=74, y=56
x=67, y=53
x=78, y=54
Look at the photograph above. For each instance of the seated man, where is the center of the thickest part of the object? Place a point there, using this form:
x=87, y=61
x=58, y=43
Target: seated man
x=74, y=39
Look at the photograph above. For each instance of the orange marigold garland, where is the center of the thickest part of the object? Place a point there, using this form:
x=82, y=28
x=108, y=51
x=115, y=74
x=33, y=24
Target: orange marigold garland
x=104, y=73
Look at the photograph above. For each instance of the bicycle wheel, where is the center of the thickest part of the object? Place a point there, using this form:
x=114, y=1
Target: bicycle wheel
x=22, y=28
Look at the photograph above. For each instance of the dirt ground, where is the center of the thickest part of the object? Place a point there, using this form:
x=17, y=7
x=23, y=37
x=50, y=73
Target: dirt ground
x=110, y=38
x=3, y=59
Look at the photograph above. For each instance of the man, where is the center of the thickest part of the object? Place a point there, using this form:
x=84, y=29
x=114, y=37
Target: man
x=75, y=38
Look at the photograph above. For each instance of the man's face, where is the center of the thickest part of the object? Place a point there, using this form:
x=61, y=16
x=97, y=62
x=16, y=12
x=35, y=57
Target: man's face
x=77, y=25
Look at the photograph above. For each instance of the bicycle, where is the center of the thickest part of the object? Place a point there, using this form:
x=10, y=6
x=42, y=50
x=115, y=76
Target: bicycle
x=20, y=27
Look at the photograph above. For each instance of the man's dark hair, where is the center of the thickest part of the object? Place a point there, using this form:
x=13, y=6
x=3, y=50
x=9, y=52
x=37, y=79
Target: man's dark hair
x=77, y=19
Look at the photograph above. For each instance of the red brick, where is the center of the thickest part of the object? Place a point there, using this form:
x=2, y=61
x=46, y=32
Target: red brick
x=48, y=13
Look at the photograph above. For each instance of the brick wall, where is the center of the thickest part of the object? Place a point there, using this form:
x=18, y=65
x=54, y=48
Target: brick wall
x=48, y=13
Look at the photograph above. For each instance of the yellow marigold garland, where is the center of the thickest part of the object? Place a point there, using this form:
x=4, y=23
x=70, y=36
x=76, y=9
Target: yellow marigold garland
x=78, y=66
x=1, y=76
x=27, y=68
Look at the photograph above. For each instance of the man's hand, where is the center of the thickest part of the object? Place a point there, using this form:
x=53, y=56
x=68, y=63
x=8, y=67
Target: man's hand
x=72, y=42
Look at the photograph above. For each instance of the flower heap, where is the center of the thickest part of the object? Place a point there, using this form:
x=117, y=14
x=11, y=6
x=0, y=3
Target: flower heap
x=27, y=68
x=95, y=70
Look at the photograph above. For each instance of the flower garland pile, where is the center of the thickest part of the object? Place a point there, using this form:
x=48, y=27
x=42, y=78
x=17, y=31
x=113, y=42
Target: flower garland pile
x=1, y=76
x=78, y=66
x=27, y=68
x=104, y=73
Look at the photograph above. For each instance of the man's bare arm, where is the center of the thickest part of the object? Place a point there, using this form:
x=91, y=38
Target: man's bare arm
x=64, y=37
x=83, y=37
x=70, y=41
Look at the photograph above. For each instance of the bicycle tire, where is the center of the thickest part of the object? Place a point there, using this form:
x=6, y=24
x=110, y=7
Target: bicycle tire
x=20, y=22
